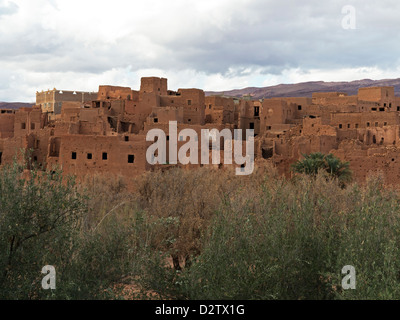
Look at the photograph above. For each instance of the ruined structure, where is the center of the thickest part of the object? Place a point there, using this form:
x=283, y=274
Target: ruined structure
x=86, y=133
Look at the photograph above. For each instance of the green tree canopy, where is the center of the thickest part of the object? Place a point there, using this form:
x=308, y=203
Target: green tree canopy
x=317, y=161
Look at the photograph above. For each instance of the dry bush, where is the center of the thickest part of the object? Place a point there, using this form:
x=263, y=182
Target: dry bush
x=181, y=203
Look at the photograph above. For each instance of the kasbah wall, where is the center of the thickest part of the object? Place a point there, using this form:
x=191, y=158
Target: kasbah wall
x=87, y=133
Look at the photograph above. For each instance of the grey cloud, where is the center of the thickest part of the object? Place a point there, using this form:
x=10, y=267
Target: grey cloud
x=7, y=8
x=285, y=34
x=270, y=36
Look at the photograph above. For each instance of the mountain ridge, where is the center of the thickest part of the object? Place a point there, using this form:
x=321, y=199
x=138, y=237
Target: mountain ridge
x=305, y=89
x=15, y=105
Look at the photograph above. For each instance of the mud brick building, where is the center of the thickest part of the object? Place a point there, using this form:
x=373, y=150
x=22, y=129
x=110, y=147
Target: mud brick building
x=51, y=101
x=105, y=132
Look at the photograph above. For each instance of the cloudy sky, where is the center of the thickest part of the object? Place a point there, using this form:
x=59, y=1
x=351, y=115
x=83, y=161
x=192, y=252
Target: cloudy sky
x=208, y=44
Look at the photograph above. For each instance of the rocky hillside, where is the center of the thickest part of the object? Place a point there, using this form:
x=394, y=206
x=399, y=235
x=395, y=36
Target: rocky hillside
x=305, y=89
x=15, y=105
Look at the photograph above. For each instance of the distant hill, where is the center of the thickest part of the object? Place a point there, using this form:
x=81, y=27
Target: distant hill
x=305, y=89
x=15, y=105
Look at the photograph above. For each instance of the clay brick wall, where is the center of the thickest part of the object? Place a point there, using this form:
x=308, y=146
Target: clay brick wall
x=38, y=142
x=28, y=120
x=158, y=86
x=74, y=96
x=45, y=100
x=321, y=97
x=347, y=120
x=149, y=101
x=301, y=107
x=53, y=100
x=219, y=110
x=192, y=103
x=275, y=111
x=376, y=94
x=7, y=125
x=192, y=97
x=102, y=154
x=70, y=111
x=387, y=136
x=314, y=126
x=364, y=119
x=379, y=160
x=166, y=114
x=114, y=92
x=11, y=148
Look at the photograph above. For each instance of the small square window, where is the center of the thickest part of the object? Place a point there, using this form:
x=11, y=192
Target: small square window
x=90, y=156
x=32, y=126
x=126, y=138
x=155, y=120
x=23, y=126
x=105, y=156
x=73, y=156
x=189, y=102
x=340, y=126
x=131, y=158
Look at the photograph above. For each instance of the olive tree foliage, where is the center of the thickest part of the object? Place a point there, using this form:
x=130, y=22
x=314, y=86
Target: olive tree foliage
x=40, y=216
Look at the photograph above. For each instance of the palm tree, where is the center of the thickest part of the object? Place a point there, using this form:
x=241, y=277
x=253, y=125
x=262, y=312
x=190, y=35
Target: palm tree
x=337, y=168
x=314, y=162
x=311, y=163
